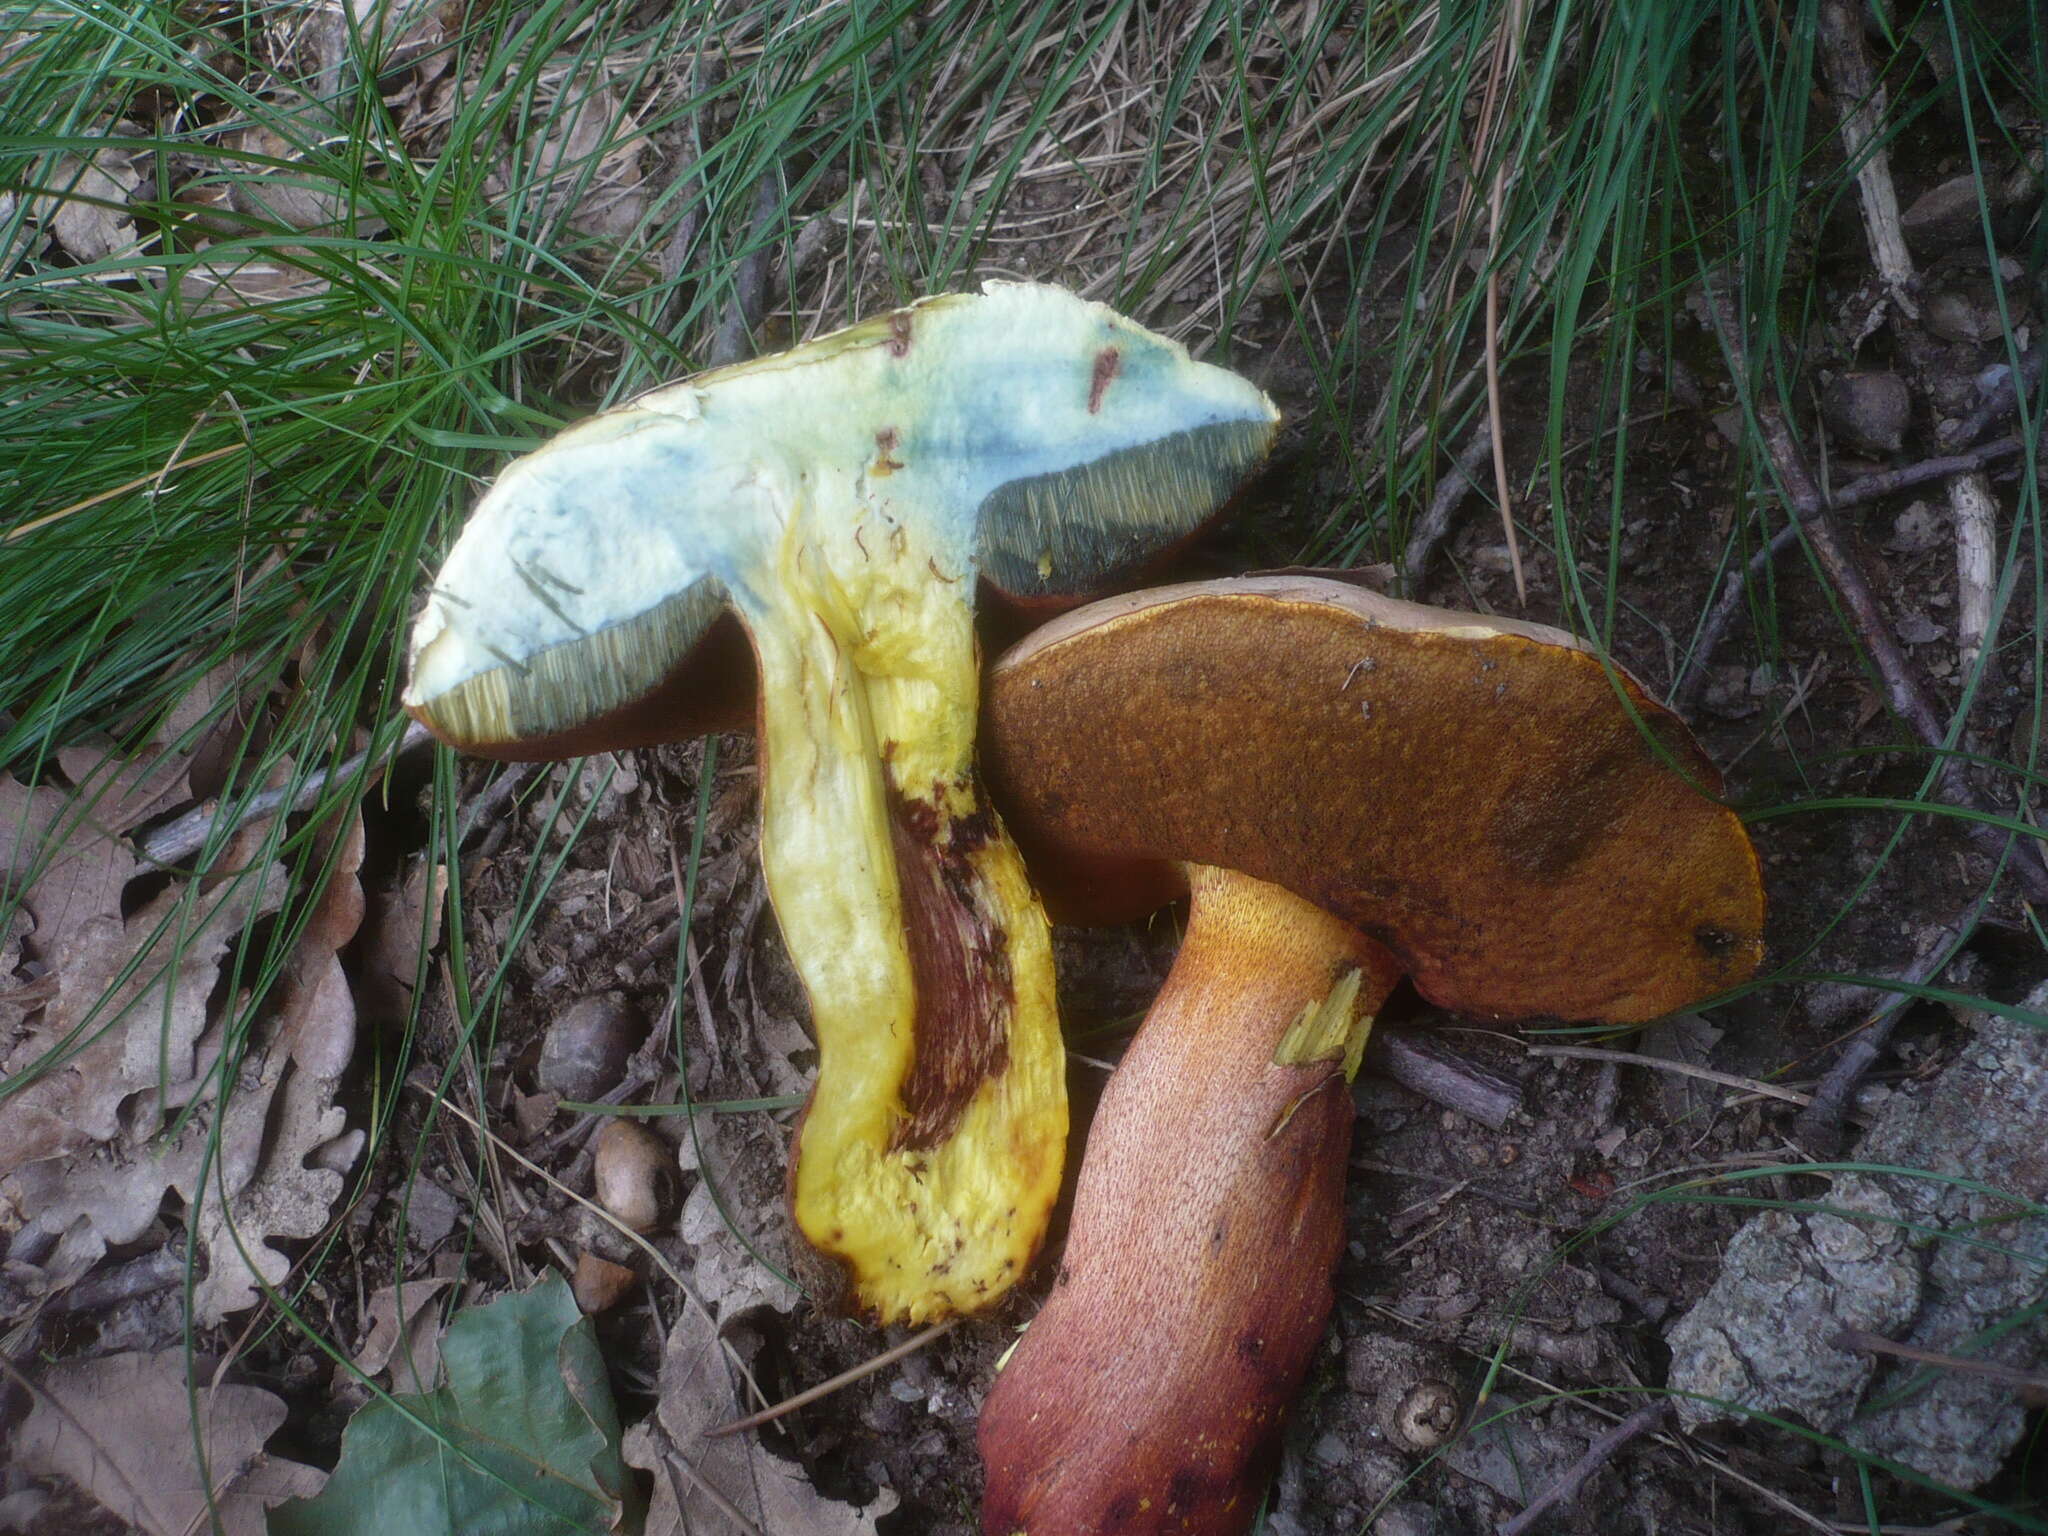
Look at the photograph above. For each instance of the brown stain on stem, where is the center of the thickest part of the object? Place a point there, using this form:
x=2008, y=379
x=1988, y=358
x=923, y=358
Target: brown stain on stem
x=959, y=961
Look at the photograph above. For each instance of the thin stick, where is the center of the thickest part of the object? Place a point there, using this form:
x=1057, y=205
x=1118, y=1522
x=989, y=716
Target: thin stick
x=2028, y=1382
x=1681, y=1068
x=1451, y=489
x=1443, y=1077
x=1691, y=683
x=749, y=281
x=22, y=530
x=1598, y=1454
x=846, y=1378
x=1819, y=1126
x=175, y=842
x=1902, y=689
x=1496, y=193
x=1860, y=101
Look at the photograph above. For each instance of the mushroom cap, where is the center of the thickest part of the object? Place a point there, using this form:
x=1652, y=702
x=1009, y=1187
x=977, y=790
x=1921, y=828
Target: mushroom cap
x=1501, y=807
x=1052, y=444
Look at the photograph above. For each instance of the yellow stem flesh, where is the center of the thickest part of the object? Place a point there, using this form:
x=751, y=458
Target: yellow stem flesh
x=868, y=681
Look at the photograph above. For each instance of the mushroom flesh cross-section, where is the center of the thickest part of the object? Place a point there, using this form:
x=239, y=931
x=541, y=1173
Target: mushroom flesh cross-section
x=1356, y=789
x=846, y=500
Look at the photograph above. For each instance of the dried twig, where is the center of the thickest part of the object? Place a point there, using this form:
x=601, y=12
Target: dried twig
x=1645, y=1419
x=2029, y=1384
x=749, y=281
x=1462, y=478
x=1422, y=1066
x=1691, y=682
x=1902, y=689
x=157, y=1270
x=1818, y=1130
x=1680, y=1068
x=1861, y=102
x=1506, y=59
x=175, y=842
x=1976, y=524
x=846, y=1378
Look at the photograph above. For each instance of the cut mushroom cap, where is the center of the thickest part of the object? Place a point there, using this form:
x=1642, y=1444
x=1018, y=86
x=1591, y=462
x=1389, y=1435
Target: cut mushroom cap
x=1504, y=809
x=1044, y=443
x=1361, y=789
x=843, y=500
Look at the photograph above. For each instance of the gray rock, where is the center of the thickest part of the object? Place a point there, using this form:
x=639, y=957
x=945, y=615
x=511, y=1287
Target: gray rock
x=1868, y=410
x=1763, y=1337
x=1938, y=1260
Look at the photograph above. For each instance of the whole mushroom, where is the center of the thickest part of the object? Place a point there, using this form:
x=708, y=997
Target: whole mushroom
x=1355, y=790
x=844, y=501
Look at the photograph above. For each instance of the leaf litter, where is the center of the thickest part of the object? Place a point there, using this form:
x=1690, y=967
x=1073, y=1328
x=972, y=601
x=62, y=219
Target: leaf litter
x=127, y=1034
x=524, y=1438
x=707, y=1487
x=123, y=1429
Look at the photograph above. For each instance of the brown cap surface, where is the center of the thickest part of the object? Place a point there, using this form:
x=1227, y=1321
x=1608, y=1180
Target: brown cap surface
x=1506, y=811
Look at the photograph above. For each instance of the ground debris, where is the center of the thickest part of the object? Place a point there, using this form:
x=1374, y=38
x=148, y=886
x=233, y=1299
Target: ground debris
x=700, y=1485
x=1941, y=1258
x=121, y=1428
x=88, y=1147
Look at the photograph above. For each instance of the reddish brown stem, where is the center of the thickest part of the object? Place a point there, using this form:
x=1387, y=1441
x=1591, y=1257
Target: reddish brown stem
x=1149, y=1393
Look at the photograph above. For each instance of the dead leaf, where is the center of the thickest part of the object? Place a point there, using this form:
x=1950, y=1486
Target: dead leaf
x=303, y=1147
x=82, y=1152
x=124, y=1436
x=729, y=1278
x=579, y=156
x=404, y=924
x=405, y=1335
x=87, y=203
x=131, y=1007
x=246, y=283
x=696, y=1395
x=297, y=198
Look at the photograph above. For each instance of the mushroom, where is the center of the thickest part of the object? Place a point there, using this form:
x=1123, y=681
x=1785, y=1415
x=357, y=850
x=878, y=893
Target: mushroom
x=843, y=500
x=1356, y=789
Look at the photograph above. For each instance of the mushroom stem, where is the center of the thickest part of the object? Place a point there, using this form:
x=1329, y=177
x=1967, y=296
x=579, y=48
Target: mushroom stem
x=929, y=1156
x=1148, y=1394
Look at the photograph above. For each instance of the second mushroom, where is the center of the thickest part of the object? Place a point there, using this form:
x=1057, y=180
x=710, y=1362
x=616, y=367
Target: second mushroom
x=1355, y=790
x=845, y=500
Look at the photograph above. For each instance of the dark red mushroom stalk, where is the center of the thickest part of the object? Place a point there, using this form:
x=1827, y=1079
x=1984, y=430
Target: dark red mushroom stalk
x=843, y=501
x=1358, y=789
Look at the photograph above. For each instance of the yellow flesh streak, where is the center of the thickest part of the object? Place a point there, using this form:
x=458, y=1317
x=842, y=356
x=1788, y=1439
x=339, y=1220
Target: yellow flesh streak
x=864, y=645
x=1334, y=1026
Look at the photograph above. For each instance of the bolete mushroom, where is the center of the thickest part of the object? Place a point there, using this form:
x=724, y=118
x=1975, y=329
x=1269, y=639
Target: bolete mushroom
x=844, y=499
x=1357, y=789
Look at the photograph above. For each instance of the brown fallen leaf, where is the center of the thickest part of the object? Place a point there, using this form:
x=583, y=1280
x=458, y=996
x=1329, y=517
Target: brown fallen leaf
x=126, y=1023
x=81, y=1154
x=581, y=159
x=403, y=923
x=121, y=1429
x=86, y=205
x=302, y=1148
x=405, y=1335
x=699, y=1482
x=246, y=282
